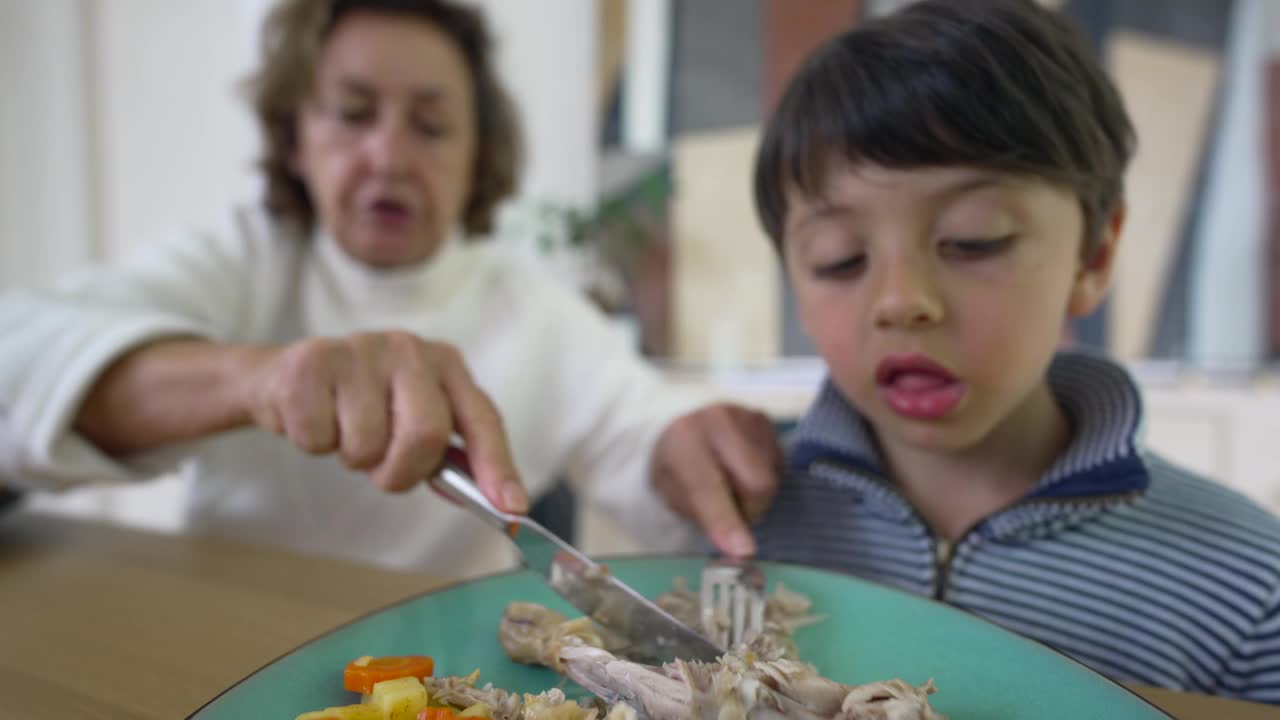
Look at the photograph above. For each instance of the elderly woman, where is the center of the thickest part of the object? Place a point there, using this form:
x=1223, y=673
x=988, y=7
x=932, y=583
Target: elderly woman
x=357, y=321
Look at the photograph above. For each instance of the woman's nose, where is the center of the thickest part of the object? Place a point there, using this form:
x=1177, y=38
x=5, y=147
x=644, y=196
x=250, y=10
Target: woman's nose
x=388, y=148
x=906, y=297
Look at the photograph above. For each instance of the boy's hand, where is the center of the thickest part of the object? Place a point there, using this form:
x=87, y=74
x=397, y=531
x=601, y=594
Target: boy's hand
x=719, y=466
x=386, y=403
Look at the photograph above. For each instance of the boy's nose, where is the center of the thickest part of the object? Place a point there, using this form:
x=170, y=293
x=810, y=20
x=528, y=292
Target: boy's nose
x=906, y=299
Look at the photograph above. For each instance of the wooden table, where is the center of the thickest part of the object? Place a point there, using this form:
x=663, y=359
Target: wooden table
x=108, y=623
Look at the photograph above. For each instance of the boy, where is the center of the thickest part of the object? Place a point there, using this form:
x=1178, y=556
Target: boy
x=944, y=186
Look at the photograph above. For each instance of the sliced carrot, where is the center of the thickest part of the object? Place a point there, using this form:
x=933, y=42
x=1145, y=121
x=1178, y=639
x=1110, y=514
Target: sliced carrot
x=437, y=713
x=361, y=675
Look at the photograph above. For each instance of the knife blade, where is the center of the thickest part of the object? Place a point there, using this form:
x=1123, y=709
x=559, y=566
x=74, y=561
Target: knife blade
x=653, y=634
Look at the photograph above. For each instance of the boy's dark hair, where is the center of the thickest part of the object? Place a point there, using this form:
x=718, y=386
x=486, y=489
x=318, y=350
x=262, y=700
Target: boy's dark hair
x=292, y=37
x=1000, y=84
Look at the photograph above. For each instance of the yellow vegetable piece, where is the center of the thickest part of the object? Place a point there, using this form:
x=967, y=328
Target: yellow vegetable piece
x=400, y=699
x=346, y=712
x=479, y=710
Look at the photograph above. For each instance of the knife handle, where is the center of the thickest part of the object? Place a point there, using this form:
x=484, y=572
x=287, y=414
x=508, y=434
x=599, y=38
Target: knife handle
x=453, y=480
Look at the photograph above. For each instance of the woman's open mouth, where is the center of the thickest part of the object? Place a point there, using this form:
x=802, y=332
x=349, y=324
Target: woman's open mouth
x=917, y=387
x=389, y=213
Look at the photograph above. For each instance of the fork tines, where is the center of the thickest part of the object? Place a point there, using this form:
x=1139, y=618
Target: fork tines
x=733, y=601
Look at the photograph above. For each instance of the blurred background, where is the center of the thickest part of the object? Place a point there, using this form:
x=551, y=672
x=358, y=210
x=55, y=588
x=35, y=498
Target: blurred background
x=122, y=122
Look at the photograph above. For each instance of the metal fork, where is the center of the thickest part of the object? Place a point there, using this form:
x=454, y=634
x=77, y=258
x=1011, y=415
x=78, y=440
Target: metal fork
x=732, y=595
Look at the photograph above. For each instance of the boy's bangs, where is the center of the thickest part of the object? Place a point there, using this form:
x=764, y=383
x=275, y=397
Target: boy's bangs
x=845, y=112
x=949, y=82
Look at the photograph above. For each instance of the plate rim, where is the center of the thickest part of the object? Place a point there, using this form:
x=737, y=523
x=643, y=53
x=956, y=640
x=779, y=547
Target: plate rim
x=605, y=559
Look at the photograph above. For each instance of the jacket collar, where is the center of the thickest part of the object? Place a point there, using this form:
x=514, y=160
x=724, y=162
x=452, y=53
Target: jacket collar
x=1102, y=461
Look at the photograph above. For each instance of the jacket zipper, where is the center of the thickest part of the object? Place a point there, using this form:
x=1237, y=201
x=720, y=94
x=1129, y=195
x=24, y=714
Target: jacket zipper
x=944, y=550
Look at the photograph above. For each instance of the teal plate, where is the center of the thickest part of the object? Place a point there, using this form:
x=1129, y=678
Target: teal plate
x=870, y=633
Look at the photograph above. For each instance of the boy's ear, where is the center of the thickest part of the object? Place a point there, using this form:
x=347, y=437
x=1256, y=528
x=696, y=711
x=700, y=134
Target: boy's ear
x=1093, y=277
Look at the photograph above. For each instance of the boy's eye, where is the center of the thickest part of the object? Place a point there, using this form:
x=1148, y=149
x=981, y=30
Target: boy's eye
x=841, y=269
x=430, y=128
x=975, y=248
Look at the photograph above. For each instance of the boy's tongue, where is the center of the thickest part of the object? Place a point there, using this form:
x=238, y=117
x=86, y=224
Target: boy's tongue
x=919, y=381
x=922, y=394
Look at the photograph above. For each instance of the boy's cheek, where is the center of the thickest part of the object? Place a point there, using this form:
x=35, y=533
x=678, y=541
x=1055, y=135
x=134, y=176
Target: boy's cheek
x=849, y=362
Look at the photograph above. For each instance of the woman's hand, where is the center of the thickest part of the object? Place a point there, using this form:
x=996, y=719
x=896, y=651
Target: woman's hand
x=719, y=466
x=387, y=403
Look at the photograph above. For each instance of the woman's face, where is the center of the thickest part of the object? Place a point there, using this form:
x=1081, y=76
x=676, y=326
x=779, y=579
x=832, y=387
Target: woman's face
x=386, y=141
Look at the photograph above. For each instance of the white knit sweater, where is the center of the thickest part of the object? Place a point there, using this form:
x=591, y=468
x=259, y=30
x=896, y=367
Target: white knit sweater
x=575, y=397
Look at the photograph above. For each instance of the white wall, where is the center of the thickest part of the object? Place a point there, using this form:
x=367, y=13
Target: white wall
x=175, y=142
x=547, y=56
x=46, y=208
x=119, y=121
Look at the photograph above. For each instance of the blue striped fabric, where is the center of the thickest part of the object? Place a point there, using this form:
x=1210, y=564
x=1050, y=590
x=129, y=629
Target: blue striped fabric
x=1131, y=565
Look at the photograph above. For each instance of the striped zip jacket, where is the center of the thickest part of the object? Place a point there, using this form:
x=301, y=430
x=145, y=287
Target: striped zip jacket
x=1139, y=569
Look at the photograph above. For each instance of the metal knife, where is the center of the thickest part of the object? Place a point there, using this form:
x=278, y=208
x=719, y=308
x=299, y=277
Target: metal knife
x=654, y=635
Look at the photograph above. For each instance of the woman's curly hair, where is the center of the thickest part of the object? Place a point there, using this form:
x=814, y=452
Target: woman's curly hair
x=292, y=38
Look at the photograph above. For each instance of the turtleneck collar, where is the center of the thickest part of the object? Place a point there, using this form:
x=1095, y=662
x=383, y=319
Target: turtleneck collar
x=429, y=283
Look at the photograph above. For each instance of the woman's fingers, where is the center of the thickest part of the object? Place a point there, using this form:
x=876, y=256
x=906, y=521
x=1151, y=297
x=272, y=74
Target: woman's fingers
x=480, y=424
x=421, y=423
x=363, y=414
x=388, y=403
x=302, y=393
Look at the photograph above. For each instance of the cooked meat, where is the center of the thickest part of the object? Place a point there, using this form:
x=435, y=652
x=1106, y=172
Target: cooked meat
x=740, y=687
x=462, y=692
x=552, y=705
x=761, y=680
x=533, y=634
x=503, y=705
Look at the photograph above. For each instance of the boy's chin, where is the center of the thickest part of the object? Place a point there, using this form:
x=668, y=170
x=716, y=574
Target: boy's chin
x=952, y=434
x=932, y=439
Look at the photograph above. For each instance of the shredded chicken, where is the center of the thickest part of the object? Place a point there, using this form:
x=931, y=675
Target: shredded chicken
x=552, y=705
x=503, y=705
x=740, y=687
x=462, y=692
x=762, y=680
x=533, y=634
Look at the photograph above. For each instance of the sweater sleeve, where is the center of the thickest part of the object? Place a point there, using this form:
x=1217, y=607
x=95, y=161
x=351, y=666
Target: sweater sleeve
x=1254, y=673
x=55, y=343
x=616, y=405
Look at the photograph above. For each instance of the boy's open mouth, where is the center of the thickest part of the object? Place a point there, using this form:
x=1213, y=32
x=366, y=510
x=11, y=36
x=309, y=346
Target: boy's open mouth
x=917, y=387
